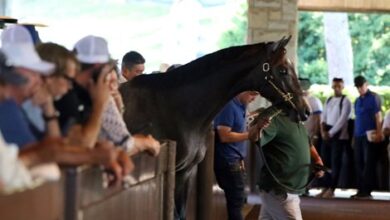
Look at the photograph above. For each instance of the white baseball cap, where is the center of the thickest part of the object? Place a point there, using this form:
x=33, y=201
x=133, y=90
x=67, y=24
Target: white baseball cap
x=92, y=49
x=8, y=73
x=20, y=51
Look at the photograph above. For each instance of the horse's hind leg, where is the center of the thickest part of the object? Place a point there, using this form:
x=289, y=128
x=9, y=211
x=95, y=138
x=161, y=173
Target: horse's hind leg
x=184, y=185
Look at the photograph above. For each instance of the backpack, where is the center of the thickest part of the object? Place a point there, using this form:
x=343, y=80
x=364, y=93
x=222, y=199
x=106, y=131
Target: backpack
x=351, y=122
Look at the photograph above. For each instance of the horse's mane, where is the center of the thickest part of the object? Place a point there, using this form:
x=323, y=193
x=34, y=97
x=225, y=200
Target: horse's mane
x=214, y=63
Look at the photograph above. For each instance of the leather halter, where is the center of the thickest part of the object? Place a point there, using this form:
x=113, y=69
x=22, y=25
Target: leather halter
x=287, y=96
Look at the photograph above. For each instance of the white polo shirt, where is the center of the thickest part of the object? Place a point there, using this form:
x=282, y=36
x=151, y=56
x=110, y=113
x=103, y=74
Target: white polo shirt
x=337, y=119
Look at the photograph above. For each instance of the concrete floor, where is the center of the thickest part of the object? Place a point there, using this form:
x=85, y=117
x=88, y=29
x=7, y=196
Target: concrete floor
x=338, y=208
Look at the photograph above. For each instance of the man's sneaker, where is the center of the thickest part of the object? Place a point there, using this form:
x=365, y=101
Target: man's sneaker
x=361, y=196
x=306, y=193
x=319, y=195
x=329, y=193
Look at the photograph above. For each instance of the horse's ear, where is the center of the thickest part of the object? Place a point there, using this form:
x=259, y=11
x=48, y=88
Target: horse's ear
x=280, y=44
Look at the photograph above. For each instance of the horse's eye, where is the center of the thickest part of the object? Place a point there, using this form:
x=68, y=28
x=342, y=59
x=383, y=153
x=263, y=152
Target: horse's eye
x=283, y=71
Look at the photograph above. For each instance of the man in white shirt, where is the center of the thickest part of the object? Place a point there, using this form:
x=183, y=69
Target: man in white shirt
x=334, y=130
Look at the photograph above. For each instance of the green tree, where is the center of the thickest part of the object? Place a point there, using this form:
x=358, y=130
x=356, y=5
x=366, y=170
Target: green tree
x=370, y=35
x=311, y=48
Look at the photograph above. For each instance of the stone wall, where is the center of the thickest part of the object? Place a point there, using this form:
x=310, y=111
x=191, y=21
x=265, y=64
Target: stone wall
x=270, y=20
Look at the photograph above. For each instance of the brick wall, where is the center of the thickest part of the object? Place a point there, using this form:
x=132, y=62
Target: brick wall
x=270, y=20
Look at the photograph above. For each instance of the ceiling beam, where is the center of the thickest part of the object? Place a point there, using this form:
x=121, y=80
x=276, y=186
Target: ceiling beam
x=345, y=5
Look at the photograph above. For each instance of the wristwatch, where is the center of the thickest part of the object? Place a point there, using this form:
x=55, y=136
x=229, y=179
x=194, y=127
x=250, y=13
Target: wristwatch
x=50, y=117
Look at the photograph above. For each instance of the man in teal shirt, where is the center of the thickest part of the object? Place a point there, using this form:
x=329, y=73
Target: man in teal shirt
x=287, y=151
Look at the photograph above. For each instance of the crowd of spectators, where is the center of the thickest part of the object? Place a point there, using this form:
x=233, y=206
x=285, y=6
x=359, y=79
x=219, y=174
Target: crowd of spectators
x=62, y=107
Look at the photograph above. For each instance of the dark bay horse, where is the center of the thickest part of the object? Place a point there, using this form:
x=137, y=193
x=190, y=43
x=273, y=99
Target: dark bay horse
x=181, y=104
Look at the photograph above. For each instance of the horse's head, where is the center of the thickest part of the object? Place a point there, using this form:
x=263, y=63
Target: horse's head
x=279, y=82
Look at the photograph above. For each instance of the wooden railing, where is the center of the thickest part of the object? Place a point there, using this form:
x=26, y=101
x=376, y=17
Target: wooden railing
x=42, y=203
x=81, y=194
x=148, y=196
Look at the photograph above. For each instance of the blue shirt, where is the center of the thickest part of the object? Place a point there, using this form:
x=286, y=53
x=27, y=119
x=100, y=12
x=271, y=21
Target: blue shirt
x=233, y=116
x=365, y=109
x=33, y=115
x=13, y=124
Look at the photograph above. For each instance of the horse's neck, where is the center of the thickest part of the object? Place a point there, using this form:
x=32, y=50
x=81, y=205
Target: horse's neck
x=197, y=91
x=207, y=96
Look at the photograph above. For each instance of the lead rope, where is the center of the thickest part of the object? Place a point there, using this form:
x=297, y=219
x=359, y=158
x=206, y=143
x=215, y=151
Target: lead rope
x=288, y=188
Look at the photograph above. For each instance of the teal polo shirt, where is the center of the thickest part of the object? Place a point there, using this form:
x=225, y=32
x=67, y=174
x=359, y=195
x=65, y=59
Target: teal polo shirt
x=286, y=149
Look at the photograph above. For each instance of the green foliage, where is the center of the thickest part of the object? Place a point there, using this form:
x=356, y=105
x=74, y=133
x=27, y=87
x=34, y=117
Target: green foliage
x=237, y=34
x=311, y=48
x=370, y=35
x=315, y=70
x=324, y=91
